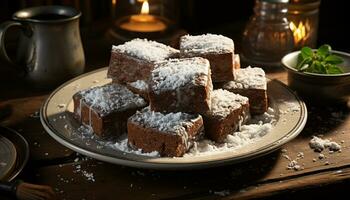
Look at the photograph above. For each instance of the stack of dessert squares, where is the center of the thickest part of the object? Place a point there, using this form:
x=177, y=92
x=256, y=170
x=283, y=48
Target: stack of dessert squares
x=163, y=98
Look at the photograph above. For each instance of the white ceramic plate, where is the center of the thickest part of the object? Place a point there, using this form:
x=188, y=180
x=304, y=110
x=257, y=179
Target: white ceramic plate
x=57, y=120
x=7, y=157
x=18, y=156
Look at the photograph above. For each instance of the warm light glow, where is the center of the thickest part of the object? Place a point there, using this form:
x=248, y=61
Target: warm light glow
x=114, y=2
x=300, y=32
x=144, y=22
x=145, y=8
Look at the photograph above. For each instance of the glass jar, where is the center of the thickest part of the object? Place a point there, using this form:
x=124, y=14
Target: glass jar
x=303, y=21
x=267, y=36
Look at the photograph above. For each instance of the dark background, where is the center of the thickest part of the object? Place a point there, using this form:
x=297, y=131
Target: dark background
x=225, y=17
x=200, y=16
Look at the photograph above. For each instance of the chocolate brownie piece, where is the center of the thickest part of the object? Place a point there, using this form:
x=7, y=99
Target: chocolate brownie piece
x=169, y=134
x=228, y=112
x=139, y=87
x=134, y=60
x=218, y=49
x=181, y=85
x=250, y=82
x=106, y=108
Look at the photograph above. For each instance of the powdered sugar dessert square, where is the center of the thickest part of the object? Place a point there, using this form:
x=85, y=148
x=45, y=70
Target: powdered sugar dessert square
x=139, y=87
x=218, y=49
x=250, y=82
x=228, y=111
x=169, y=134
x=106, y=108
x=181, y=85
x=135, y=59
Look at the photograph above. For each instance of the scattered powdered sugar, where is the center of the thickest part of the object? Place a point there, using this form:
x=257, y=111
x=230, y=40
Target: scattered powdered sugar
x=293, y=163
x=319, y=144
x=267, y=117
x=247, y=134
x=140, y=85
x=111, y=97
x=172, y=123
x=146, y=50
x=122, y=145
x=88, y=175
x=174, y=73
x=206, y=43
x=248, y=78
x=224, y=102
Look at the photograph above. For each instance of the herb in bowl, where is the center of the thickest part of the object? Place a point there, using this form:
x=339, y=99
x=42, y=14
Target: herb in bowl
x=320, y=61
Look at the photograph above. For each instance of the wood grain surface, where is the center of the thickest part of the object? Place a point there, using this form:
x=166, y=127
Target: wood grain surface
x=77, y=177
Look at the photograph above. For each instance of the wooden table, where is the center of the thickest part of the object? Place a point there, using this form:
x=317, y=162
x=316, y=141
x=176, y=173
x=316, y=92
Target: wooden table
x=77, y=177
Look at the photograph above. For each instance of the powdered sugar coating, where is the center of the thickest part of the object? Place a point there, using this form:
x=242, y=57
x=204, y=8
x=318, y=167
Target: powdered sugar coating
x=140, y=85
x=224, y=102
x=175, y=73
x=171, y=123
x=206, y=43
x=146, y=50
x=248, y=78
x=111, y=97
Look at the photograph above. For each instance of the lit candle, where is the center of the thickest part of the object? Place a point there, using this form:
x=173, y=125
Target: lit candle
x=300, y=32
x=144, y=22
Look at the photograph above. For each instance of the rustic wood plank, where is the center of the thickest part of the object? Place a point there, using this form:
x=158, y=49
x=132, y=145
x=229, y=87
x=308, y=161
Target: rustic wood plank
x=293, y=184
x=24, y=117
x=267, y=172
x=131, y=183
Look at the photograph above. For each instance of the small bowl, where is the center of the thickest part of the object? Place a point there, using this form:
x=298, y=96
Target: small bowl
x=319, y=87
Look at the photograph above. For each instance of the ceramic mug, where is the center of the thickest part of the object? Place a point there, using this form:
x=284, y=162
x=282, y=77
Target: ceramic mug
x=49, y=46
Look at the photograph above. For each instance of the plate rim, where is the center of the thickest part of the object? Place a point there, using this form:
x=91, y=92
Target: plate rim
x=8, y=171
x=21, y=161
x=173, y=166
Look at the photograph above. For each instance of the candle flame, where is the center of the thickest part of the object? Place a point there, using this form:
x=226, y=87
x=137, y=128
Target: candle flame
x=300, y=32
x=145, y=8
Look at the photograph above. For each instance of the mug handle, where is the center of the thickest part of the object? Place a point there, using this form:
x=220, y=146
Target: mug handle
x=3, y=28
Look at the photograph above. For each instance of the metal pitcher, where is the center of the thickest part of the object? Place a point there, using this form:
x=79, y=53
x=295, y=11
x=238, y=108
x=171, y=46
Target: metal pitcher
x=49, y=46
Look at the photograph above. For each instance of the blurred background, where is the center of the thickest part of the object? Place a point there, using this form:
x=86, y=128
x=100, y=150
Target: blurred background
x=101, y=19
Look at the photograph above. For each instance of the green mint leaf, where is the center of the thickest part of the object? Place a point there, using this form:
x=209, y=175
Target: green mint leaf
x=300, y=58
x=333, y=59
x=324, y=50
x=333, y=69
x=304, y=67
x=303, y=62
x=320, y=67
x=306, y=52
x=321, y=61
